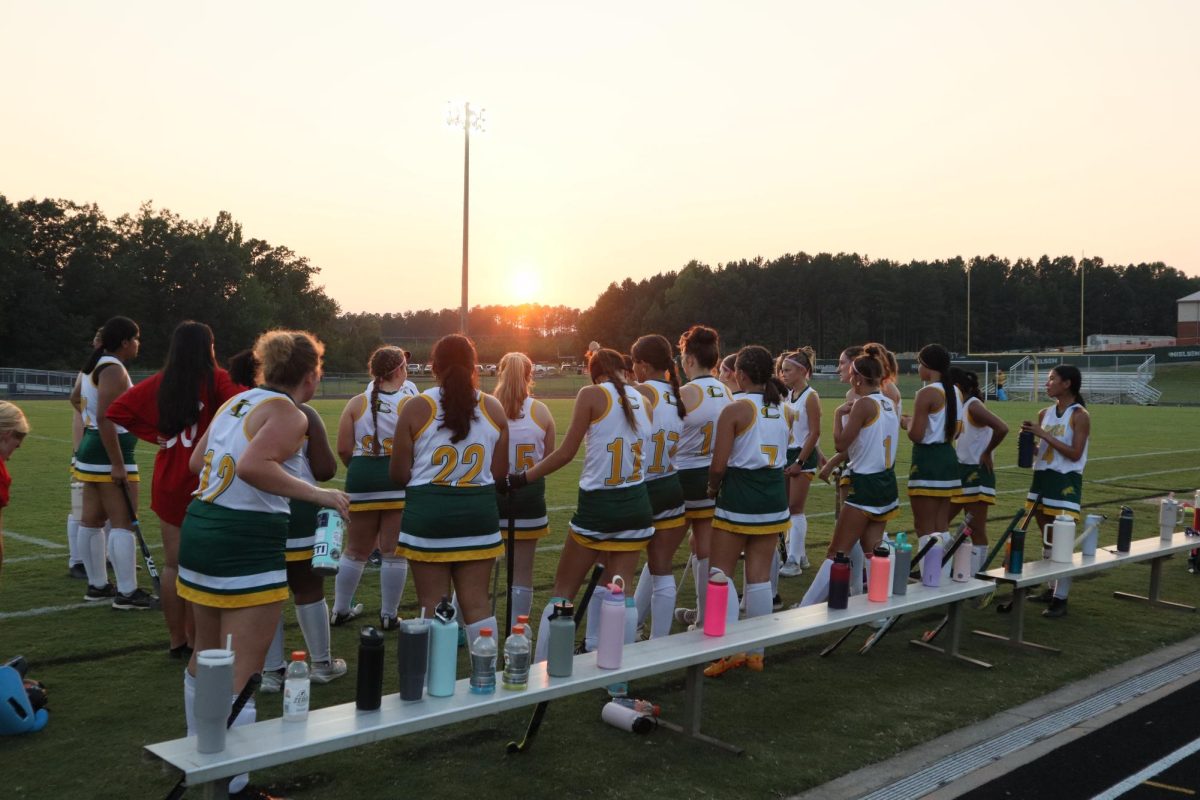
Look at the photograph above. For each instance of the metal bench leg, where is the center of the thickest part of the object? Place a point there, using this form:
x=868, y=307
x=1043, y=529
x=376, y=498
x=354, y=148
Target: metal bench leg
x=1155, y=589
x=215, y=790
x=954, y=625
x=693, y=699
x=1016, y=637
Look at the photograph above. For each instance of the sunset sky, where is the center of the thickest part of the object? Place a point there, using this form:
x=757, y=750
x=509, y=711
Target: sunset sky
x=623, y=138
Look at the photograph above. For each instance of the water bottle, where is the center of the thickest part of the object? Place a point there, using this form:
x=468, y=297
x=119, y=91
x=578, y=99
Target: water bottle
x=881, y=575
x=1025, y=449
x=562, y=640
x=443, y=650
x=516, y=660
x=630, y=620
x=931, y=567
x=296, y=687
x=523, y=619
x=327, y=542
x=611, y=640
x=1196, y=511
x=640, y=706
x=903, y=557
x=716, y=603
x=483, y=662
x=214, y=698
x=1016, y=552
x=369, y=692
x=413, y=647
x=1125, y=530
x=839, y=582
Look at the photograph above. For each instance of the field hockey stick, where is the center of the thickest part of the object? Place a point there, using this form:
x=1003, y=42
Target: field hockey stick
x=510, y=552
x=1004, y=608
x=156, y=600
x=239, y=703
x=539, y=711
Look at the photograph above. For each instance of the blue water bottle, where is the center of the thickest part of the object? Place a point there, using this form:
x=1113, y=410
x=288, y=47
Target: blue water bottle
x=443, y=650
x=327, y=542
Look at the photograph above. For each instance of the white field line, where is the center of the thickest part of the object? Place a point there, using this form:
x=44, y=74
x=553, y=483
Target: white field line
x=20, y=537
x=1138, y=778
x=50, y=439
x=42, y=557
x=37, y=612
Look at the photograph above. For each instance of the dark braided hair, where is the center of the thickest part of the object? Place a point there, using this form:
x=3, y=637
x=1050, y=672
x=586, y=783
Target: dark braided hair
x=967, y=382
x=454, y=366
x=655, y=350
x=384, y=361
x=937, y=358
x=759, y=366
x=606, y=364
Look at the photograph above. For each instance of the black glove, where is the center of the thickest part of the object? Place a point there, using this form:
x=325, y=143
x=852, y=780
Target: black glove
x=517, y=480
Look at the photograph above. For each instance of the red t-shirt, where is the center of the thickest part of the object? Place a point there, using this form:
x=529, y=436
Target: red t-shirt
x=137, y=411
x=5, y=482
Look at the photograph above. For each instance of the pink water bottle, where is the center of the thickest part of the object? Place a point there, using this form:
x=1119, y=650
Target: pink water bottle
x=881, y=575
x=611, y=640
x=716, y=604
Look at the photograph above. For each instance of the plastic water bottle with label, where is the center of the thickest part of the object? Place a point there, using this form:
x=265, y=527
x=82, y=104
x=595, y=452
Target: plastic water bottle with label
x=483, y=662
x=296, y=688
x=516, y=660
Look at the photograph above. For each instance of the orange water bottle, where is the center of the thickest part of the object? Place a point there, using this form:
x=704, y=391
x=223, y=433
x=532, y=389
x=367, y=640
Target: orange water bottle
x=881, y=575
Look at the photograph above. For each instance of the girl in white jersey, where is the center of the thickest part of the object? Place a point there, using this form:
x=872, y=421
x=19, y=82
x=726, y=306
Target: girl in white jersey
x=982, y=432
x=934, y=477
x=105, y=464
x=530, y=436
x=746, y=478
x=654, y=368
x=75, y=558
x=232, y=565
x=704, y=396
x=613, y=516
x=804, y=416
x=365, y=433
x=450, y=450
x=867, y=433
x=1064, y=429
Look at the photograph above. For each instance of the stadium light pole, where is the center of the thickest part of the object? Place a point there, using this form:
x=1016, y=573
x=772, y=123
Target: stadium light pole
x=968, y=308
x=468, y=120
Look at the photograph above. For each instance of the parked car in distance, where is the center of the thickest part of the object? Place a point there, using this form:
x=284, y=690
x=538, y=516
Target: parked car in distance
x=490, y=369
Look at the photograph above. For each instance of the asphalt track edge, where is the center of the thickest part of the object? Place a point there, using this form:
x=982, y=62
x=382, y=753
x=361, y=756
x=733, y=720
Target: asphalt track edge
x=884, y=773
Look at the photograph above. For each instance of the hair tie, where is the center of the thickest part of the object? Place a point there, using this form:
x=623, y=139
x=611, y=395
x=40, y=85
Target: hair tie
x=799, y=363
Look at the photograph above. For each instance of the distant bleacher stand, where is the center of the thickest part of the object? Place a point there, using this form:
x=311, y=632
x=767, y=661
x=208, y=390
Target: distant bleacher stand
x=1107, y=378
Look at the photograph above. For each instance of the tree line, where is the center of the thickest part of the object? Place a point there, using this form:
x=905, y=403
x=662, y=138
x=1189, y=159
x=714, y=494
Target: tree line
x=66, y=267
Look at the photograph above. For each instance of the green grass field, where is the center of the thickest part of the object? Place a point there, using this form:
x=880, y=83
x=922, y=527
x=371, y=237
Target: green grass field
x=803, y=721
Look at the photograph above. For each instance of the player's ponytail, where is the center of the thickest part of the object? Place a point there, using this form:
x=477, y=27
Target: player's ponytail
x=967, y=382
x=1074, y=378
x=703, y=344
x=383, y=362
x=606, y=364
x=514, y=384
x=114, y=333
x=937, y=358
x=655, y=350
x=454, y=367
x=758, y=365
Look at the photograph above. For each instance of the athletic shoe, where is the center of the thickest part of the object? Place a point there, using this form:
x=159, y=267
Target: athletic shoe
x=326, y=671
x=182, y=652
x=272, y=681
x=639, y=633
x=685, y=616
x=790, y=569
x=340, y=617
x=754, y=662
x=95, y=594
x=776, y=603
x=1058, y=608
x=722, y=665
x=77, y=571
x=376, y=558
x=388, y=622
x=137, y=600
x=804, y=562
x=1045, y=596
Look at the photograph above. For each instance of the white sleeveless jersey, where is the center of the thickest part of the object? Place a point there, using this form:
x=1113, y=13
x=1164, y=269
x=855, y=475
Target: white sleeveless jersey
x=227, y=441
x=700, y=425
x=666, y=428
x=797, y=411
x=383, y=426
x=935, y=429
x=974, y=439
x=764, y=444
x=613, y=450
x=874, y=449
x=467, y=462
x=1060, y=428
x=89, y=394
x=526, y=439
x=300, y=467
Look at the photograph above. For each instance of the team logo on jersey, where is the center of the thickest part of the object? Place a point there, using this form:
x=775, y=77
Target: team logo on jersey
x=972, y=476
x=770, y=412
x=382, y=406
x=239, y=409
x=913, y=470
x=1069, y=491
x=714, y=391
x=670, y=398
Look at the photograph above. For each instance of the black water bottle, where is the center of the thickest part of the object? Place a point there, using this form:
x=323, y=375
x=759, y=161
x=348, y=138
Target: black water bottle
x=1125, y=530
x=369, y=691
x=1025, y=449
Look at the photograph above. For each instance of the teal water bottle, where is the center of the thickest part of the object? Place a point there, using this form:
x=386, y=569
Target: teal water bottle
x=443, y=650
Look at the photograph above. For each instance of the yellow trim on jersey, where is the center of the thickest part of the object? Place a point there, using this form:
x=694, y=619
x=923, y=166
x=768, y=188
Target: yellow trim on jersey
x=668, y=523
x=750, y=530
x=531, y=534
x=753, y=415
x=92, y=477
x=204, y=598
x=922, y=491
x=483, y=409
x=448, y=556
x=432, y=416
x=610, y=545
x=533, y=416
x=303, y=554
x=654, y=398
x=878, y=412
x=377, y=505
x=607, y=407
x=700, y=513
x=683, y=400
x=971, y=416
x=246, y=419
x=356, y=416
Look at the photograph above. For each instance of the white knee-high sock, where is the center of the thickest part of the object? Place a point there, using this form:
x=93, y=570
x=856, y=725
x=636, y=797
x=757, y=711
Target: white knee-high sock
x=346, y=583
x=857, y=569
x=978, y=556
x=592, y=631
x=122, y=552
x=274, y=658
x=541, y=647
x=393, y=574
x=797, y=533
x=1062, y=588
x=314, y=624
x=775, y=565
x=662, y=604
x=473, y=629
x=641, y=595
x=700, y=576
x=818, y=590
x=73, y=556
x=246, y=716
x=734, y=605
x=91, y=548
x=758, y=603
x=189, y=702
x=522, y=602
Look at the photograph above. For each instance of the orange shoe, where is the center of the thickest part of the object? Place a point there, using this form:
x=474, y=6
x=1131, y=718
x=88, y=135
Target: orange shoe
x=754, y=662
x=722, y=665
